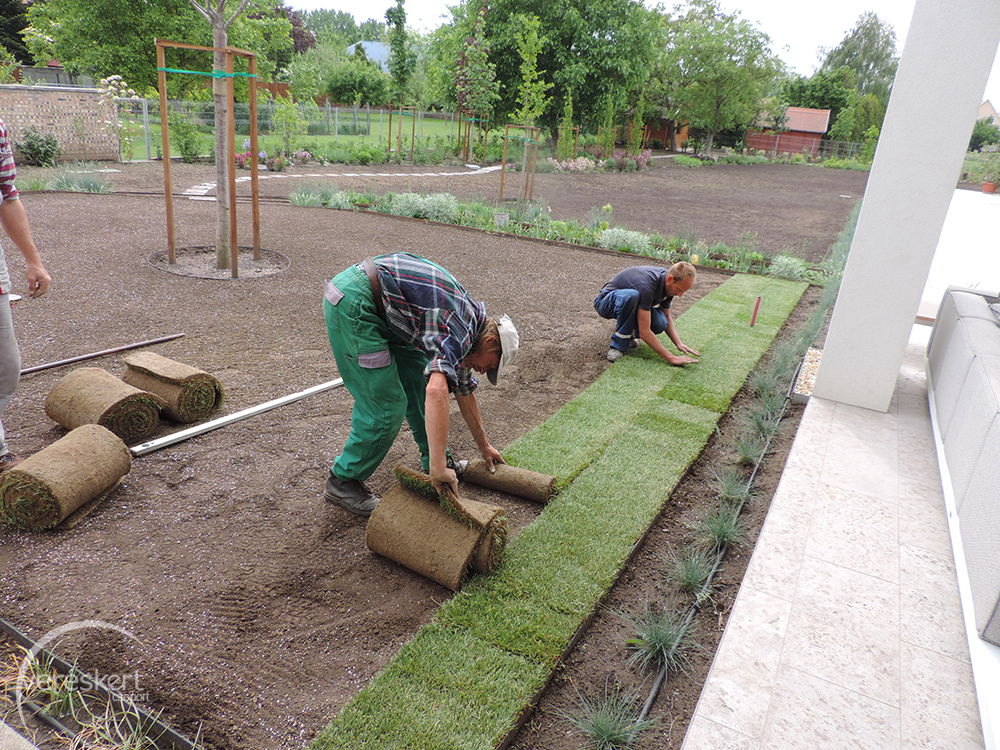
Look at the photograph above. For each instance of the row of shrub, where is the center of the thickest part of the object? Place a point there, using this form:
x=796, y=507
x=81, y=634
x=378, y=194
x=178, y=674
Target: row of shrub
x=534, y=220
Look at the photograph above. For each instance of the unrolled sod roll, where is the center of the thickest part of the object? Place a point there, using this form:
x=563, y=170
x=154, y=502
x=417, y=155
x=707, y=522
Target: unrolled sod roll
x=46, y=488
x=90, y=395
x=511, y=480
x=190, y=394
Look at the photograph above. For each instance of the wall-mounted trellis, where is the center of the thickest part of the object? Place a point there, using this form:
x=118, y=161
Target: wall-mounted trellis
x=230, y=75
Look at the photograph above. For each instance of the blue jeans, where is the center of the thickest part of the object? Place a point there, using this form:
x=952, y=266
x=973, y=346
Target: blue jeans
x=622, y=306
x=10, y=363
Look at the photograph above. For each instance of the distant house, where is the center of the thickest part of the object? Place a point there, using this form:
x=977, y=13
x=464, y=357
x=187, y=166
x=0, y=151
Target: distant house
x=803, y=133
x=377, y=52
x=986, y=110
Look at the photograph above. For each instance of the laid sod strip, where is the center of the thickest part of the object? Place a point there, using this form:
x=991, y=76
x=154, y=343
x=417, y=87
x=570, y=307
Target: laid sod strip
x=618, y=449
x=718, y=326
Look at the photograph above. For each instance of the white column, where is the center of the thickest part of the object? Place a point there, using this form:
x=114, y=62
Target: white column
x=934, y=104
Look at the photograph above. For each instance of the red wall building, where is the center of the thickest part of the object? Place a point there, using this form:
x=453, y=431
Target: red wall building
x=805, y=131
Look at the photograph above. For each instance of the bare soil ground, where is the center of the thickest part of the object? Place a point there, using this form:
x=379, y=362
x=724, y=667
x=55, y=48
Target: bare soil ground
x=259, y=610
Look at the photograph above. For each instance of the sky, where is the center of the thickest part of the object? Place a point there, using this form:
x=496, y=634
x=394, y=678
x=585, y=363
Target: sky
x=798, y=30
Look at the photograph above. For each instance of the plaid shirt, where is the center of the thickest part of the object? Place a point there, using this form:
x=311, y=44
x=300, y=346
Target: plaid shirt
x=8, y=192
x=7, y=169
x=429, y=309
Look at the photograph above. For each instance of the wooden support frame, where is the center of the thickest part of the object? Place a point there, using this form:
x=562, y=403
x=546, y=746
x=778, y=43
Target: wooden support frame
x=399, y=138
x=230, y=53
x=531, y=139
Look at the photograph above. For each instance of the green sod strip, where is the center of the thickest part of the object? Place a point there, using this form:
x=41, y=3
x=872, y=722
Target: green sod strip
x=620, y=447
x=444, y=690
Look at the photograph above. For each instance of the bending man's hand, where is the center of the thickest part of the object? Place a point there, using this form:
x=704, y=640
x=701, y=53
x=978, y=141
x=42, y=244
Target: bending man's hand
x=444, y=479
x=492, y=457
x=688, y=350
x=38, y=280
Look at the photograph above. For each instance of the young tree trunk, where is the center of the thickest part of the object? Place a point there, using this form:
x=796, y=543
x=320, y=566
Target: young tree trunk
x=220, y=39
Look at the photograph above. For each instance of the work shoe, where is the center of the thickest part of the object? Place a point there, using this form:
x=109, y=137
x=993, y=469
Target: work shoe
x=9, y=461
x=633, y=344
x=615, y=354
x=351, y=494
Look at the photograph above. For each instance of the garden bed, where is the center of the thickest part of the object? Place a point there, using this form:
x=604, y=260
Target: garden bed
x=259, y=608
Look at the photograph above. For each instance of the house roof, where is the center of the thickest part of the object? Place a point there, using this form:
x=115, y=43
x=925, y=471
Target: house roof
x=377, y=52
x=807, y=120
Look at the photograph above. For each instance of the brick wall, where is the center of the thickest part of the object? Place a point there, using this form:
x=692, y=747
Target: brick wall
x=58, y=110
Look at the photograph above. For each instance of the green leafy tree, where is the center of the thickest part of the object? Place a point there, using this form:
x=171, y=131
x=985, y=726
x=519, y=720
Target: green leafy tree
x=14, y=20
x=984, y=133
x=289, y=123
x=862, y=113
x=726, y=68
x=476, y=86
x=828, y=89
x=8, y=64
x=869, y=145
x=331, y=26
x=869, y=51
x=596, y=48
x=566, y=144
x=358, y=79
x=402, y=60
x=533, y=92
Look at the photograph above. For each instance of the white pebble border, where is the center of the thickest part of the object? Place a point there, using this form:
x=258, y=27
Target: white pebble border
x=197, y=192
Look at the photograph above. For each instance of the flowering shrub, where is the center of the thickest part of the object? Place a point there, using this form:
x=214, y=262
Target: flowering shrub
x=579, y=164
x=303, y=157
x=243, y=160
x=621, y=161
x=120, y=126
x=262, y=157
x=276, y=163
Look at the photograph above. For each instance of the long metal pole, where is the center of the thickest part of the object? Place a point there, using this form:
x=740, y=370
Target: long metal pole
x=82, y=357
x=177, y=437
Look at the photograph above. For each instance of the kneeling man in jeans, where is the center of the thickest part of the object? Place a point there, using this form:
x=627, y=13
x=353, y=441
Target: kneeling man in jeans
x=638, y=299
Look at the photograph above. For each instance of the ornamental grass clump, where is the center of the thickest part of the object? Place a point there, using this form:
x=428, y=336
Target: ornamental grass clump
x=732, y=487
x=721, y=527
x=690, y=569
x=750, y=449
x=788, y=267
x=624, y=240
x=610, y=721
x=662, y=638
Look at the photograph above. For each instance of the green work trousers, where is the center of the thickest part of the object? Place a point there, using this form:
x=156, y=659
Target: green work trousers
x=383, y=373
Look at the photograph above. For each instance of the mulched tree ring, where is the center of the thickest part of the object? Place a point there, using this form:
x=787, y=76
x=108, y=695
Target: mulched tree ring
x=199, y=262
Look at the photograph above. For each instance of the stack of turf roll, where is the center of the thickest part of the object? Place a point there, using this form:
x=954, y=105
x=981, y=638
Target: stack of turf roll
x=46, y=488
x=90, y=395
x=191, y=394
x=442, y=537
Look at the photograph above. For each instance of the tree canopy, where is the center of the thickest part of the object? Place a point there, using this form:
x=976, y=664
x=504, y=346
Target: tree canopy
x=13, y=20
x=596, y=49
x=115, y=37
x=722, y=68
x=828, y=89
x=869, y=51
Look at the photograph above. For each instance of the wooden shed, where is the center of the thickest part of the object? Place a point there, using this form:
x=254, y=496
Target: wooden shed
x=805, y=129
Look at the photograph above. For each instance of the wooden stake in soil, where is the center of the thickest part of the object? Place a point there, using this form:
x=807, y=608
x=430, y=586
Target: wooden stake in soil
x=47, y=487
x=530, y=485
x=191, y=395
x=90, y=395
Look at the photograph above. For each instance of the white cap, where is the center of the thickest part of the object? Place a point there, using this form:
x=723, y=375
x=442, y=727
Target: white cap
x=508, y=347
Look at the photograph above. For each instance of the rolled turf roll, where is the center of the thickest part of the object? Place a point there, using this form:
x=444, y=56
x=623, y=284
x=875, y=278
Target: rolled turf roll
x=44, y=489
x=441, y=537
x=90, y=395
x=419, y=534
x=511, y=480
x=190, y=394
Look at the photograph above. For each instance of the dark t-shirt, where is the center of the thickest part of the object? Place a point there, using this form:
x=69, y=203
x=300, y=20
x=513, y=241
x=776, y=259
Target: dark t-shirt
x=649, y=281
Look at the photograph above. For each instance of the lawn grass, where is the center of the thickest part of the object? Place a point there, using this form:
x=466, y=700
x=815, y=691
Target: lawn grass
x=618, y=450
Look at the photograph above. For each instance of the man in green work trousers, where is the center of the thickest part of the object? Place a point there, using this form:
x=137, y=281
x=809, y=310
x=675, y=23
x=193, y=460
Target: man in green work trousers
x=405, y=333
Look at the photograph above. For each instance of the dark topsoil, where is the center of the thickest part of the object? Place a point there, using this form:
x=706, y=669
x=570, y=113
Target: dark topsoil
x=259, y=609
